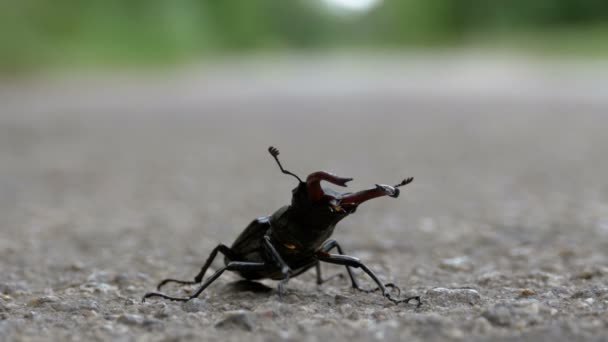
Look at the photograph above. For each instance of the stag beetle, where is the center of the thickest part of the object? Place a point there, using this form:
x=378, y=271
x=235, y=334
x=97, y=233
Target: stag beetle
x=295, y=238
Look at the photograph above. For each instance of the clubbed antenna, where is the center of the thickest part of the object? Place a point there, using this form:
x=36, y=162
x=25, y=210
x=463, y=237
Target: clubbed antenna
x=274, y=152
x=404, y=182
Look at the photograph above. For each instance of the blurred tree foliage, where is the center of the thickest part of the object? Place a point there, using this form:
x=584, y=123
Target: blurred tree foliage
x=35, y=33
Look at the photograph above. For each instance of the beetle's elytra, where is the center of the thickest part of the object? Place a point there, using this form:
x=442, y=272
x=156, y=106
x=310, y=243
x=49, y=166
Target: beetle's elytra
x=295, y=238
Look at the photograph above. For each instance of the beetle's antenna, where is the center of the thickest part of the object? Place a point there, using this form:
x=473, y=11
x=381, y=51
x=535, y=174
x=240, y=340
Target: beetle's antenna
x=404, y=182
x=274, y=152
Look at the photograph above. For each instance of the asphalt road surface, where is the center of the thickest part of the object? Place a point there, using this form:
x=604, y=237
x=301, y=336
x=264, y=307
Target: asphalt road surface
x=112, y=182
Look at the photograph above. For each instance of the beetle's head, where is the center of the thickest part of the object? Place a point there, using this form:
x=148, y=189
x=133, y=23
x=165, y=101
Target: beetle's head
x=311, y=194
x=311, y=200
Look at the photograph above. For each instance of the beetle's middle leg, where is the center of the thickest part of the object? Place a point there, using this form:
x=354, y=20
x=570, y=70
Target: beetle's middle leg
x=327, y=247
x=278, y=260
x=199, y=277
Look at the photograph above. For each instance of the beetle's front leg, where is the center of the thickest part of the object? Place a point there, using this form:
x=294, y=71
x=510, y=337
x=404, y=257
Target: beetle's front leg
x=331, y=244
x=278, y=260
x=346, y=260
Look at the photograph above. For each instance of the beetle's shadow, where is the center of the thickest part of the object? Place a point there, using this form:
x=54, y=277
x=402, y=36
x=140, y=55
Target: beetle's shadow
x=247, y=286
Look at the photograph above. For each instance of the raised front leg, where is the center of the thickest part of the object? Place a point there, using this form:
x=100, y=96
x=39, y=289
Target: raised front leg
x=346, y=260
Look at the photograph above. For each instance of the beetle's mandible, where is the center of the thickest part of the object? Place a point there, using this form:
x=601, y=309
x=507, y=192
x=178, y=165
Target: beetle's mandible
x=296, y=238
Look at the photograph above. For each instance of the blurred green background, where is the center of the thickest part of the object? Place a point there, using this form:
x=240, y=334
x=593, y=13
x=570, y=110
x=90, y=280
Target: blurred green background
x=43, y=34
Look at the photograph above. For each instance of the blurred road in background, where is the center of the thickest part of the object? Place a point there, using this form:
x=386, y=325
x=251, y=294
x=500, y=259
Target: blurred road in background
x=111, y=182
x=465, y=78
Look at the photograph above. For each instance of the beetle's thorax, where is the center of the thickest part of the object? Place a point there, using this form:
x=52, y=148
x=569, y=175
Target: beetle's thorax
x=304, y=225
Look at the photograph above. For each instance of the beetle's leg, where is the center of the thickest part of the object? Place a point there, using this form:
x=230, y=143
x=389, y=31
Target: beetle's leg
x=278, y=260
x=327, y=247
x=231, y=266
x=199, y=277
x=346, y=260
x=331, y=244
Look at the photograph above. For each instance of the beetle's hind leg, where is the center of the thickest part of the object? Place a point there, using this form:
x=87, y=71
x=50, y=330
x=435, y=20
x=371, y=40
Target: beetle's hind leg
x=231, y=266
x=327, y=247
x=199, y=277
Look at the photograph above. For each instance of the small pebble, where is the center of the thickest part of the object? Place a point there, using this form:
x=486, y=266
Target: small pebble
x=164, y=311
x=129, y=319
x=241, y=320
x=94, y=287
x=516, y=314
x=379, y=316
x=499, y=315
x=354, y=316
x=88, y=313
x=152, y=323
x=75, y=266
x=12, y=288
x=107, y=327
x=100, y=277
x=42, y=300
x=30, y=315
x=491, y=278
x=306, y=325
x=266, y=313
x=583, y=305
x=455, y=333
x=526, y=292
x=65, y=307
x=448, y=297
x=481, y=326
x=458, y=264
x=195, y=305
x=122, y=279
x=341, y=300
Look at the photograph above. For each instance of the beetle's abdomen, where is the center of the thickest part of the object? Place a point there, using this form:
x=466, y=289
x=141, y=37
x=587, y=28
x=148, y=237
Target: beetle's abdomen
x=248, y=244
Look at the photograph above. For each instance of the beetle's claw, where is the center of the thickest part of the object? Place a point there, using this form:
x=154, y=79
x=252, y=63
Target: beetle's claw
x=394, y=287
x=282, y=286
x=416, y=298
x=387, y=285
x=282, y=290
x=157, y=294
x=181, y=282
x=405, y=300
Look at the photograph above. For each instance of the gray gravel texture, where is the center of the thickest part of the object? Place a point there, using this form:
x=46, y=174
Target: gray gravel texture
x=110, y=184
